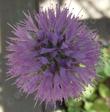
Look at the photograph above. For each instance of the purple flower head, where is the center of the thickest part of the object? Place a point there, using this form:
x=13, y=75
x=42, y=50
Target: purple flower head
x=52, y=55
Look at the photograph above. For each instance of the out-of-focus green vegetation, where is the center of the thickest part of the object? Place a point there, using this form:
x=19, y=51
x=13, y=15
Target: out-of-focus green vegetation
x=95, y=99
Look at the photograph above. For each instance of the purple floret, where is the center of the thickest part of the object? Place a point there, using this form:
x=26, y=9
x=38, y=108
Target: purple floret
x=52, y=55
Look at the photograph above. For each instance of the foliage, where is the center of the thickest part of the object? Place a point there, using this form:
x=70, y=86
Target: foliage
x=103, y=68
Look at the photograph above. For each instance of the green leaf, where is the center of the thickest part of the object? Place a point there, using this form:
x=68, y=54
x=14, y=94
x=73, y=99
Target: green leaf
x=107, y=68
x=89, y=90
x=74, y=109
x=100, y=106
x=73, y=102
x=104, y=91
x=103, y=67
x=88, y=105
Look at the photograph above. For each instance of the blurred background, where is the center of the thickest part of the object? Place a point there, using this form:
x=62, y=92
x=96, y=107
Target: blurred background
x=96, y=14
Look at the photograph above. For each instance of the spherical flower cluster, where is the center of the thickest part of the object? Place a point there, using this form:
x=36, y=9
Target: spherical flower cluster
x=52, y=55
